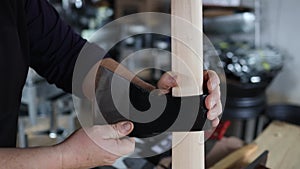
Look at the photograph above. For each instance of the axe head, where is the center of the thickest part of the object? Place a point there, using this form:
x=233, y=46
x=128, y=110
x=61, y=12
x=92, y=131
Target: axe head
x=152, y=113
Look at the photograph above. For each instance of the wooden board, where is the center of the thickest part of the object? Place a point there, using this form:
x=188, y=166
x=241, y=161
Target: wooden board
x=187, y=54
x=236, y=157
x=189, y=153
x=282, y=141
x=187, y=50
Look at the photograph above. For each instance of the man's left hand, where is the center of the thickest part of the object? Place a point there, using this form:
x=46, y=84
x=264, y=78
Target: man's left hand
x=211, y=83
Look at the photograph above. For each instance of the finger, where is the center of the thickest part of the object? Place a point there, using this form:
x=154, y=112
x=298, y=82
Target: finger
x=114, y=131
x=215, y=112
x=112, y=138
x=213, y=98
x=215, y=122
x=212, y=80
x=167, y=81
x=163, y=92
x=123, y=128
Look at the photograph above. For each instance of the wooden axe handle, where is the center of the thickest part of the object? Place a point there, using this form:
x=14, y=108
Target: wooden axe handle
x=123, y=72
x=188, y=148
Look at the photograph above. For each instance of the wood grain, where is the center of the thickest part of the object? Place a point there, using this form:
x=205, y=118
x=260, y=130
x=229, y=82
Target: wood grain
x=187, y=54
x=235, y=157
x=282, y=141
x=187, y=50
x=188, y=150
x=122, y=71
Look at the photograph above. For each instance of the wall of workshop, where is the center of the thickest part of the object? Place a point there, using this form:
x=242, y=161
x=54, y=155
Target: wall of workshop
x=280, y=28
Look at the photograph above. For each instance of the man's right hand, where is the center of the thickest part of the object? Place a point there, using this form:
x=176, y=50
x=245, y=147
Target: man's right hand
x=96, y=146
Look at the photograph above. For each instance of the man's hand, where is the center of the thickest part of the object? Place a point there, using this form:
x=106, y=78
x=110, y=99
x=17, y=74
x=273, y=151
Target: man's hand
x=97, y=146
x=211, y=83
x=108, y=143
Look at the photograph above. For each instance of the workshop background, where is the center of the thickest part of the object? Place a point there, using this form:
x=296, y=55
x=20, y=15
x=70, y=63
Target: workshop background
x=258, y=43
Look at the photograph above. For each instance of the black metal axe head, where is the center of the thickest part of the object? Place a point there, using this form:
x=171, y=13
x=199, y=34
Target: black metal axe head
x=121, y=99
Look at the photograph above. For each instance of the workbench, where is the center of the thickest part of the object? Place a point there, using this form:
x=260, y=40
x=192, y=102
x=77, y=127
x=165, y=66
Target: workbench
x=279, y=139
x=282, y=141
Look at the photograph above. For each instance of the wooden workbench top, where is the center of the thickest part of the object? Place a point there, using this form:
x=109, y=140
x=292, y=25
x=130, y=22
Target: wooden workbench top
x=283, y=142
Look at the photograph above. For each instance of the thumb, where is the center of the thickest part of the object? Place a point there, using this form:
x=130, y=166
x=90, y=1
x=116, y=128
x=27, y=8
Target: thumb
x=115, y=131
x=123, y=128
x=119, y=130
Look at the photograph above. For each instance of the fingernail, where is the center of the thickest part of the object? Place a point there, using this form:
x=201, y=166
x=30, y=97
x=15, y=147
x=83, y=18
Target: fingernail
x=212, y=103
x=126, y=126
x=171, y=80
x=213, y=85
x=211, y=116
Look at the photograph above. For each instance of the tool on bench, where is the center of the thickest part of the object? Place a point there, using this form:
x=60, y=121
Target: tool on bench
x=259, y=162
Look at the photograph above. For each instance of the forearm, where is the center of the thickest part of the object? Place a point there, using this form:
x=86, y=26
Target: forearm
x=31, y=158
x=76, y=152
x=54, y=46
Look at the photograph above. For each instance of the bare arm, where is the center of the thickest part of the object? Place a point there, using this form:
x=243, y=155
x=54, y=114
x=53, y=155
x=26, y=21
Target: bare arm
x=78, y=151
x=47, y=157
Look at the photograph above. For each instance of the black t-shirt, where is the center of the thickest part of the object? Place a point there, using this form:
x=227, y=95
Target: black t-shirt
x=31, y=35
